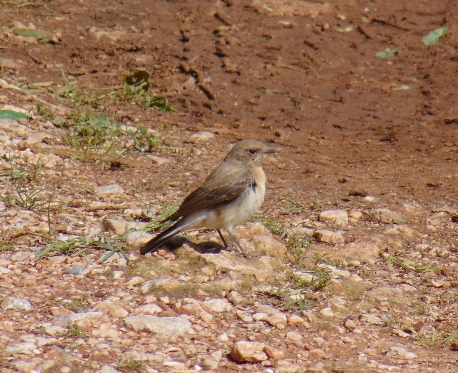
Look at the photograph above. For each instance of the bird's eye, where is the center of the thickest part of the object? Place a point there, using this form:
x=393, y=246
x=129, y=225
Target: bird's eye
x=252, y=151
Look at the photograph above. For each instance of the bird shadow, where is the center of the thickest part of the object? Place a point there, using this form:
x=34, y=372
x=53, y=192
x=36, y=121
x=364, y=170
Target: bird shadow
x=205, y=247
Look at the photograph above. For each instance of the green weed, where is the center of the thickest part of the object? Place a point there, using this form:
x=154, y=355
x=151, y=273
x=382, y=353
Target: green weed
x=76, y=304
x=74, y=331
x=131, y=365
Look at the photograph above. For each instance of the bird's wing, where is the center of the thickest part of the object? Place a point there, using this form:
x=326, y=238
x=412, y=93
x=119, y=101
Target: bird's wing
x=223, y=185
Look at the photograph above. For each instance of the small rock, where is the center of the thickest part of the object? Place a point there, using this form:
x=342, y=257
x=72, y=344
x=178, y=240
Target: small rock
x=28, y=348
x=217, y=305
x=84, y=320
x=248, y=352
x=236, y=298
x=284, y=366
x=327, y=236
x=294, y=337
x=159, y=160
x=350, y=325
x=108, y=369
x=109, y=190
x=327, y=312
x=4, y=271
x=294, y=319
x=273, y=353
x=203, y=136
x=111, y=309
x=372, y=319
x=317, y=353
x=386, y=216
x=269, y=246
x=76, y=270
x=151, y=308
x=136, y=280
x=334, y=217
x=10, y=303
x=272, y=316
x=117, y=226
x=302, y=232
x=170, y=326
x=137, y=239
x=401, y=352
x=213, y=360
x=440, y=283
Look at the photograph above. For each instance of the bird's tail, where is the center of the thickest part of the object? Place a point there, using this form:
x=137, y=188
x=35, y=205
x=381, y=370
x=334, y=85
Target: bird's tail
x=154, y=244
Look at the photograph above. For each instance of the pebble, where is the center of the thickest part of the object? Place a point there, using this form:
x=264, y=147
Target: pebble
x=111, y=309
x=329, y=237
x=108, y=369
x=217, y=305
x=401, y=352
x=271, y=315
x=248, y=352
x=269, y=246
x=76, y=270
x=150, y=308
x=302, y=232
x=109, y=190
x=202, y=136
x=117, y=226
x=327, y=312
x=137, y=239
x=337, y=218
x=168, y=326
x=10, y=303
x=386, y=216
x=350, y=325
x=159, y=160
x=28, y=348
x=372, y=319
x=84, y=320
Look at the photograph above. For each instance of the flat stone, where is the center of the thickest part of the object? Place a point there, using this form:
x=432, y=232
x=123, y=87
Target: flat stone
x=372, y=319
x=385, y=216
x=111, y=309
x=329, y=237
x=117, y=226
x=217, y=305
x=202, y=136
x=401, y=352
x=27, y=348
x=169, y=326
x=137, y=239
x=109, y=190
x=150, y=308
x=248, y=352
x=84, y=320
x=337, y=218
x=10, y=303
x=269, y=246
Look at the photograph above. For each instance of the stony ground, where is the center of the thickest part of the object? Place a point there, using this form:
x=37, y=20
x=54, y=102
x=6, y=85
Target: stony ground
x=351, y=263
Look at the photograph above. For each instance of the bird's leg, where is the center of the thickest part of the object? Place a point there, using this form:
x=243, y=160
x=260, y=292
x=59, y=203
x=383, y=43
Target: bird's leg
x=222, y=238
x=239, y=247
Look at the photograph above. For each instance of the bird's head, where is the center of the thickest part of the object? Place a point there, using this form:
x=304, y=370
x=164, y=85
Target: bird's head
x=250, y=152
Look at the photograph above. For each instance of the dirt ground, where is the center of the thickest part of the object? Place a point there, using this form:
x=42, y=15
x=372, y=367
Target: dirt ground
x=353, y=131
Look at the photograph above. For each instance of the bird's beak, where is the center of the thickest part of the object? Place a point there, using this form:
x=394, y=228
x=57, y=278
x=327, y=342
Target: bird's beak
x=270, y=151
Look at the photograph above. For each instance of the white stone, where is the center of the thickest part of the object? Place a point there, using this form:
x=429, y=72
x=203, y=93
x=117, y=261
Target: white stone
x=338, y=218
x=15, y=303
x=169, y=326
x=109, y=190
x=327, y=236
x=248, y=352
x=217, y=305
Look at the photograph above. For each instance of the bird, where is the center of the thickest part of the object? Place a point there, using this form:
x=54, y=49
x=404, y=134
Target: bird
x=229, y=196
